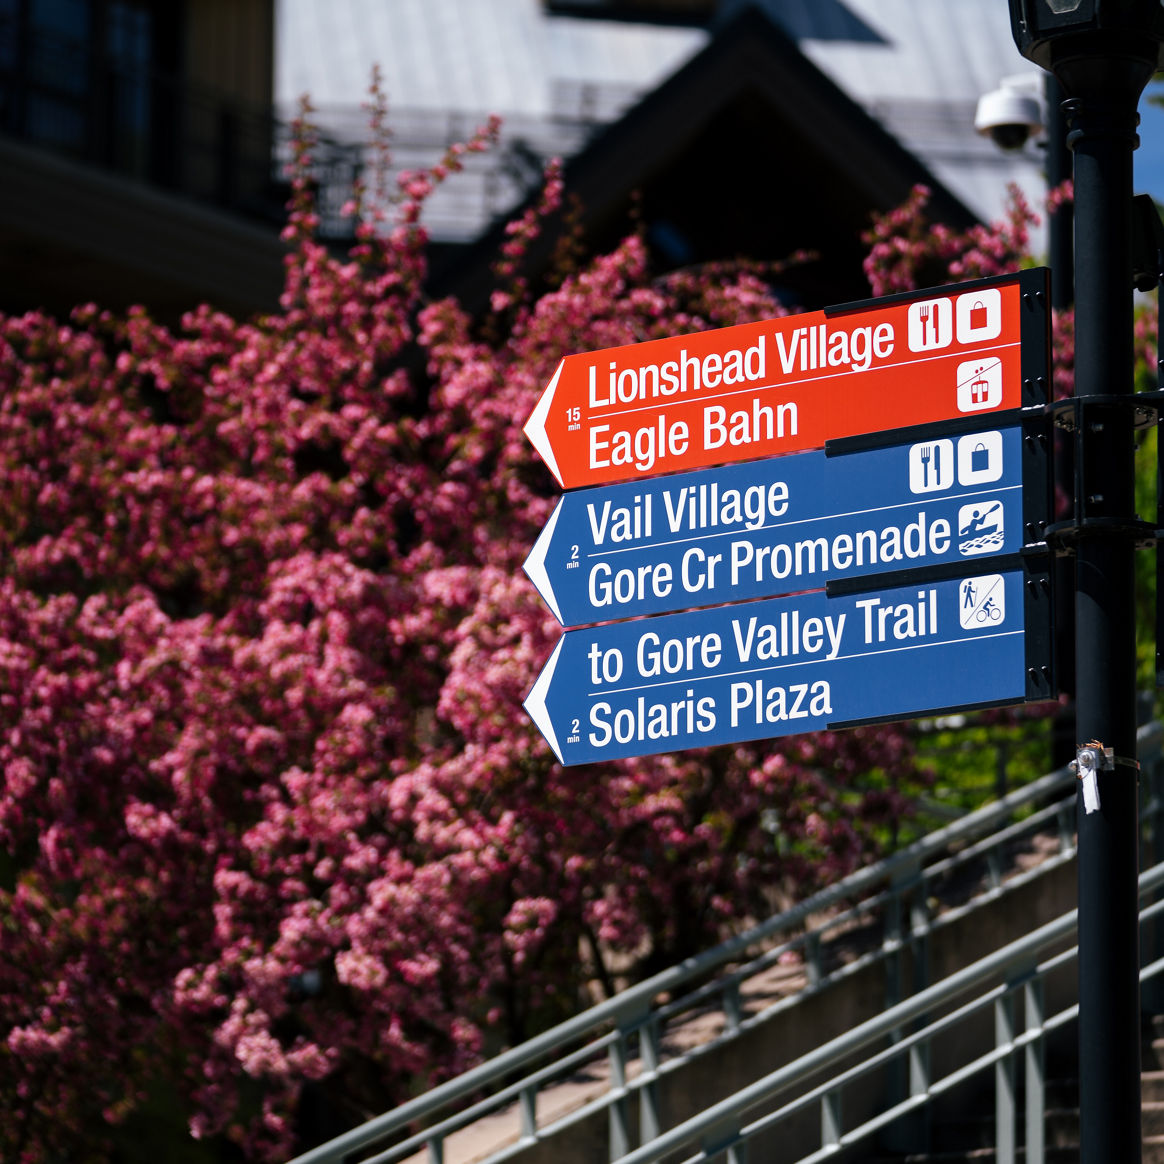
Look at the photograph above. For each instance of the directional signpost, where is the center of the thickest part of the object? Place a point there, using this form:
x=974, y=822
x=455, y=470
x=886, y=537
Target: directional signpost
x=763, y=528
x=785, y=385
x=914, y=493
x=758, y=670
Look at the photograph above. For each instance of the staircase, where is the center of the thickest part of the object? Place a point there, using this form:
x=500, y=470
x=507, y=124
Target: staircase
x=1152, y=1091
x=920, y=1016
x=964, y=1135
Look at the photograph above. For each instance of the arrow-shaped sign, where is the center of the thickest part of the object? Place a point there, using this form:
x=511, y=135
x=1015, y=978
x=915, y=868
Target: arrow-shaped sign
x=785, y=385
x=760, y=670
x=782, y=525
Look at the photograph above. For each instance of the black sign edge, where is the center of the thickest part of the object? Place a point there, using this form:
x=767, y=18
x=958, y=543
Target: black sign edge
x=932, y=429
x=941, y=572
x=1030, y=280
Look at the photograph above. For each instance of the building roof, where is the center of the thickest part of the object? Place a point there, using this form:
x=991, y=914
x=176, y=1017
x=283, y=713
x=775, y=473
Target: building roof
x=914, y=66
x=921, y=74
x=749, y=150
x=475, y=57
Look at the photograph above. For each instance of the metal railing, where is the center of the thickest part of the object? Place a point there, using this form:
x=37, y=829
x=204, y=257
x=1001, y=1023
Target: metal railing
x=622, y=1042
x=995, y=984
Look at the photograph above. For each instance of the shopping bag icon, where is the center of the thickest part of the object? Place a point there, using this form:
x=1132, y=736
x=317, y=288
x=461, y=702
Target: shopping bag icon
x=978, y=316
x=979, y=458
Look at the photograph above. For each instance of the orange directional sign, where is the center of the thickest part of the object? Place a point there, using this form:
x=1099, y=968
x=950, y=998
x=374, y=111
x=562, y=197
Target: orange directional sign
x=785, y=385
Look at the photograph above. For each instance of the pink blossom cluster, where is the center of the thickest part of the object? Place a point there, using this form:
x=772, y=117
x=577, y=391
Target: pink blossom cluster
x=272, y=815
x=908, y=251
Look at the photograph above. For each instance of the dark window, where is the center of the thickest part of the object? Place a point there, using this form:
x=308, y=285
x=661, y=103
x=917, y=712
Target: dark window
x=9, y=38
x=128, y=48
x=59, y=73
x=103, y=81
x=75, y=76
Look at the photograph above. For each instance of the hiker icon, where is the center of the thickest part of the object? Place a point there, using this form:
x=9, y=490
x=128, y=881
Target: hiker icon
x=982, y=602
x=980, y=528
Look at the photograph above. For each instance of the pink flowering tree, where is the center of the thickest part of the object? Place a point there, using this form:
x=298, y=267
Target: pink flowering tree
x=273, y=818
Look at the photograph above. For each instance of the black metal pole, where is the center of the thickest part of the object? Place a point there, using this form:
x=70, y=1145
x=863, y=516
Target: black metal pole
x=1103, y=120
x=1061, y=252
x=1060, y=243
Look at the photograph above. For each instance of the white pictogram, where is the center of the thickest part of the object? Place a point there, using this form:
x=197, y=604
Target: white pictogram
x=980, y=528
x=978, y=315
x=931, y=324
x=981, y=602
x=931, y=466
x=980, y=458
x=979, y=384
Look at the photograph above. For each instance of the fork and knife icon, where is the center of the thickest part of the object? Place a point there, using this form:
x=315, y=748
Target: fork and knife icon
x=925, y=454
x=932, y=321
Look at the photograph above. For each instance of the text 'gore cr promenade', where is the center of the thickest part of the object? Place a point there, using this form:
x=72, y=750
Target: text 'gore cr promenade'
x=775, y=526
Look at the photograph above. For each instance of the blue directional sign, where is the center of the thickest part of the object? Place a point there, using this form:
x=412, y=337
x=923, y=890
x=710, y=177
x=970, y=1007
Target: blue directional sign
x=779, y=526
x=781, y=666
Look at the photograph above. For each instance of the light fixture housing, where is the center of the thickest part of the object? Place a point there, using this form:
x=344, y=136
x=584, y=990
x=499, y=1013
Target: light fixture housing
x=1055, y=34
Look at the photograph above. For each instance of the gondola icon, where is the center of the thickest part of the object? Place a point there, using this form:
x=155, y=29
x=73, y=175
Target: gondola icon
x=979, y=384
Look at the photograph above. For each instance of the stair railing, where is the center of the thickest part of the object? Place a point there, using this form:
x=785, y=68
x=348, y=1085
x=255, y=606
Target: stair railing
x=620, y=1040
x=992, y=986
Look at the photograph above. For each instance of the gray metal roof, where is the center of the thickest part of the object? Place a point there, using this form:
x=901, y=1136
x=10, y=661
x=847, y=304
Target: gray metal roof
x=468, y=56
x=917, y=66
x=923, y=82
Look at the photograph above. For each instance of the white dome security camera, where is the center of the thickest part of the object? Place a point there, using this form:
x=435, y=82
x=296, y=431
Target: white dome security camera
x=1011, y=114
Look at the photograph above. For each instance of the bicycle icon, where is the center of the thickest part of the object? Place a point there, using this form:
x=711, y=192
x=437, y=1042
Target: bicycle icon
x=989, y=609
x=981, y=601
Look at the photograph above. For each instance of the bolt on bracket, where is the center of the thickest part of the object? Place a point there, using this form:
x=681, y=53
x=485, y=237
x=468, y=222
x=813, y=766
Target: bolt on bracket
x=1091, y=759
